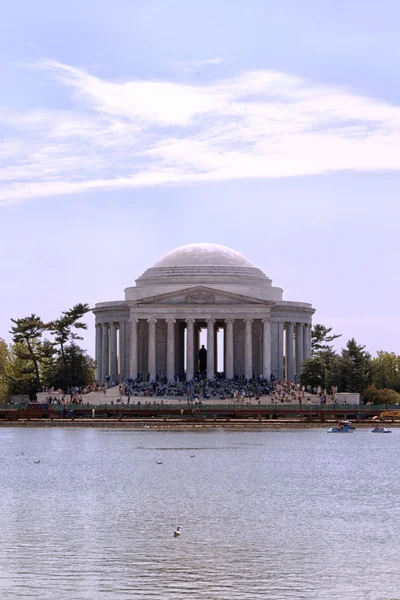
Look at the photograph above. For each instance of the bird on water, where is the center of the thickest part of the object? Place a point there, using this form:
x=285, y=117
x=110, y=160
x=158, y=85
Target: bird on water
x=36, y=462
x=177, y=532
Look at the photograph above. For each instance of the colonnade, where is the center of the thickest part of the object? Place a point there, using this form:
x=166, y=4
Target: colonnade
x=284, y=346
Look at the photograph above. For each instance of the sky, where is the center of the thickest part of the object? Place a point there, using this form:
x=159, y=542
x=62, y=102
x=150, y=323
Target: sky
x=132, y=127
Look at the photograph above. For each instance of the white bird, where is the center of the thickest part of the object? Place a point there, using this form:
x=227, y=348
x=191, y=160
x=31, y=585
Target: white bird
x=177, y=532
x=36, y=462
x=192, y=456
x=159, y=462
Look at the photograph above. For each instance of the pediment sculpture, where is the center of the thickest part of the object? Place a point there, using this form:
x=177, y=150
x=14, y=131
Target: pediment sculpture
x=200, y=298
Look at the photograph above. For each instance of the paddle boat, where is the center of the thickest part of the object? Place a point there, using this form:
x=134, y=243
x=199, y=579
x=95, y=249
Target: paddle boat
x=342, y=427
x=380, y=429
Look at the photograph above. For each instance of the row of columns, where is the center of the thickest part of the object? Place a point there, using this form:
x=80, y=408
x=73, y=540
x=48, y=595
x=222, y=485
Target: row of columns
x=191, y=348
x=298, y=348
x=108, y=360
x=298, y=344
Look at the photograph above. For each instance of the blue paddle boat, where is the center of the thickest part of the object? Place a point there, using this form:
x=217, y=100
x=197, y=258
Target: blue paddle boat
x=342, y=427
x=380, y=429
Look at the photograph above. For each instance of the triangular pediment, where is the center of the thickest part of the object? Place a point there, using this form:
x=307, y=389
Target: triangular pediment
x=200, y=295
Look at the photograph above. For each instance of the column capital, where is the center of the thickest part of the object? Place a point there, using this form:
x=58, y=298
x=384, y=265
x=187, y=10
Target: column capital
x=248, y=320
x=133, y=320
x=229, y=320
x=152, y=320
x=190, y=320
x=170, y=320
x=266, y=320
x=210, y=321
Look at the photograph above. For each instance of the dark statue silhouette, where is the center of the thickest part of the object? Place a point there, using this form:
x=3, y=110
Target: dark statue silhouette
x=203, y=359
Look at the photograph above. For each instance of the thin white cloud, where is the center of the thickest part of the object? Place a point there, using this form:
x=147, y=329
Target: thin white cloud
x=190, y=66
x=121, y=134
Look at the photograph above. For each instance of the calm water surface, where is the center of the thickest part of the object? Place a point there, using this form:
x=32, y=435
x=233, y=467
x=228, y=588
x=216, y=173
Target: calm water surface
x=267, y=514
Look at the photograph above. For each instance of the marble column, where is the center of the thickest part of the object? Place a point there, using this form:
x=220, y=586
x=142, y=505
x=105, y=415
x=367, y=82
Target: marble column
x=290, y=351
x=248, y=349
x=121, y=350
x=170, y=348
x=189, y=348
x=229, y=348
x=133, y=349
x=216, y=349
x=210, y=348
x=266, y=368
x=299, y=347
x=105, y=362
x=113, y=353
x=196, y=335
x=152, y=364
x=99, y=331
x=306, y=341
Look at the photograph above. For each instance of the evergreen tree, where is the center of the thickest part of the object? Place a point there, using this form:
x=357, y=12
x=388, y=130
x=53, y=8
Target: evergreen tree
x=322, y=369
x=73, y=367
x=63, y=328
x=321, y=338
x=355, y=367
x=27, y=337
x=4, y=358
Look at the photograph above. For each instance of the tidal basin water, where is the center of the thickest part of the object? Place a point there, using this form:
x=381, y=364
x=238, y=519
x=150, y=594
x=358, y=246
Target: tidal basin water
x=263, y=514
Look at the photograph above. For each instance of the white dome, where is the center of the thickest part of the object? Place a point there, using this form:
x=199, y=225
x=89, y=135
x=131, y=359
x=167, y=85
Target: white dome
x=205, y=264
x=203, y=255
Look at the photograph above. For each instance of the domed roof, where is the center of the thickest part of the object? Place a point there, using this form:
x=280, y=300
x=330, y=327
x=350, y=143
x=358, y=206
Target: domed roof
x=202, y=264
x=194, y=255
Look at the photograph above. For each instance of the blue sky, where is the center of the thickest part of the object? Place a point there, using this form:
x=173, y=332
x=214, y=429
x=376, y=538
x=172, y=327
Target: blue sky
x=128, y=128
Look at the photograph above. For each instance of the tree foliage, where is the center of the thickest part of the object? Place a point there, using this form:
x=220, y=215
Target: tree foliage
x=356, y=368
x=350, y=371
x=27, y=337
x=321, y=338
x=34, y=362
x=381, y=396
x=386, y=370
x=4, y=358
x=63, y=328
x=73, y=367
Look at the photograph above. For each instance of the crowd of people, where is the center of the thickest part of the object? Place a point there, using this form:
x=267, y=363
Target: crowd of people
x=200, y=390
x=239, y=389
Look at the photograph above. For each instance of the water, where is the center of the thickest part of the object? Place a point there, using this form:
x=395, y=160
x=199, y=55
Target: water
x=264, y=514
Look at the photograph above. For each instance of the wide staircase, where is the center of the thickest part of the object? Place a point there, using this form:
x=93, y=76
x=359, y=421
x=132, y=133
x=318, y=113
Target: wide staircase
x=94, y=398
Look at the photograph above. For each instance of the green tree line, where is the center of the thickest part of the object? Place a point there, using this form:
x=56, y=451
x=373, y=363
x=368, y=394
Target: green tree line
x=33, y=361
x=377, y=379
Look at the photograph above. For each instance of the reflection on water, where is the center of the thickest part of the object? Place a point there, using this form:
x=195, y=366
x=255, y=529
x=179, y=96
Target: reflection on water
x=288, y=514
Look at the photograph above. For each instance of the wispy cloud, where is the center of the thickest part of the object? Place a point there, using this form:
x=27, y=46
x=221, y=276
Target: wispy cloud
x=260, y=124
x=190, y=66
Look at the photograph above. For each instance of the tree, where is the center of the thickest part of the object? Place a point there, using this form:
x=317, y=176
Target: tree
x=63, y=328
x=27, y=334
x=73, y=367
x=386, y=370
x=383, y=396
x=322, y=369
x=321, y=338
x=313, y=372
x=356, y=367
x=4, y=358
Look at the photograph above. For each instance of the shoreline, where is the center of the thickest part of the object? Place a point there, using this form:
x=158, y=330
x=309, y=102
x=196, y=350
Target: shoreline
x=170, y=424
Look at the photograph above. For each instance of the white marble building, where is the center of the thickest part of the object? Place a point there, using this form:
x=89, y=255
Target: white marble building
x=156, y=329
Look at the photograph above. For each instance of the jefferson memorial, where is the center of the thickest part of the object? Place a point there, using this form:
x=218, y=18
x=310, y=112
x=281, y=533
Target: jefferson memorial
x=202, y=287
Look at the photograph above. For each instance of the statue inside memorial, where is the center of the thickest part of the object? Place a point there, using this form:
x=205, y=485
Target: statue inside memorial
x=202, y=359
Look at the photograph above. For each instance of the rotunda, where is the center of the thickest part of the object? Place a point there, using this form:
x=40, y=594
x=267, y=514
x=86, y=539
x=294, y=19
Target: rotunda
x=156, y=329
